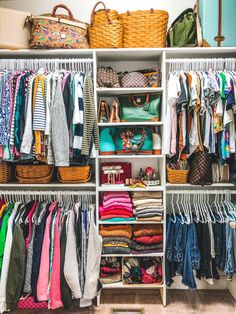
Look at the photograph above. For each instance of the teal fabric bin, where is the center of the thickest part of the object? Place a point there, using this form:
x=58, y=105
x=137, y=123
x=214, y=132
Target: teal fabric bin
x=208, y=11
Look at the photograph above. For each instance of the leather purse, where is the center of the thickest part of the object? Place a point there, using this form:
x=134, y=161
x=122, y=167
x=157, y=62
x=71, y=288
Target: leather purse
x=103, y=111
x=107, y=141
x=115, y=172
x=135, y=108
x=137, y=140
x=58, y=31
x=134, y=80
x=107, y=77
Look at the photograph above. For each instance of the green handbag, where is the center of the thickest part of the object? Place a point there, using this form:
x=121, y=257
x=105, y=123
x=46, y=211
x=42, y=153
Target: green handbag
x=107, y=141
x=134, y=140
x=135, y=108
x=186, y=30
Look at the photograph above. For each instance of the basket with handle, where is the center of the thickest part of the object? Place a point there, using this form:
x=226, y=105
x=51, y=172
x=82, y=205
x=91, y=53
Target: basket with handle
x=144, y=28
x=106, y=30
x=5, y=172
x=74, y=174
x=177, y=175
x=30, y=174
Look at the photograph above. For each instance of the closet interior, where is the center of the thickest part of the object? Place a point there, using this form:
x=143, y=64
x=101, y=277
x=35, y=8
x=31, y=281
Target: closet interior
x=134, y=242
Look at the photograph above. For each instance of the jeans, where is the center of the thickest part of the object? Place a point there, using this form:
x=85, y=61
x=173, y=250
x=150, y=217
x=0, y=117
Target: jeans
x=191, y=258
x=229, y=263
x=220, y=239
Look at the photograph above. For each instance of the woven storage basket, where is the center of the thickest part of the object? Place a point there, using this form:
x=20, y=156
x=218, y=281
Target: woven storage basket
x=145, y=29
x=106, y=30
x=5, y=172
x=177, y=176
x=76, y=174
x=31, y=174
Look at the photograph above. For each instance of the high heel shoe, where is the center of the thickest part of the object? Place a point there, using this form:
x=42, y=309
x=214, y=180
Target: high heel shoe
x=115, y=112
x=103, y=111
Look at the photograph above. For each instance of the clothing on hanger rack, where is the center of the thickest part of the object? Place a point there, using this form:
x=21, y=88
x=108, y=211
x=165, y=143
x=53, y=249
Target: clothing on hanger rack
x=201, y=237
x=47, y=111
x=51, y=242
x=201, y=102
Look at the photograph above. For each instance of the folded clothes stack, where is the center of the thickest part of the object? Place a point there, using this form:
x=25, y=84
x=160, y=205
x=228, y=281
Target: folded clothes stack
x=145, y=270
x=116, y=206
x=110, y=270
x=146, y=239
x=116, y=239
x=148, y=206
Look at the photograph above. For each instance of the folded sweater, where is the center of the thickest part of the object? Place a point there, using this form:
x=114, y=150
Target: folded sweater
x=146, y=230
x=116, y=231
x=149, y=239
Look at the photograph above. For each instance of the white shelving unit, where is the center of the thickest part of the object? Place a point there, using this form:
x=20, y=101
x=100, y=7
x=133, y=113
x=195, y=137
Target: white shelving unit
x=123, y=60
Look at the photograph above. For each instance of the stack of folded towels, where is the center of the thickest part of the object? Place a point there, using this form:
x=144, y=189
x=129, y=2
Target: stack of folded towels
x=110, y=270
x=148, y=206
x=146, y=239
x=116, y=239
x=116, y=206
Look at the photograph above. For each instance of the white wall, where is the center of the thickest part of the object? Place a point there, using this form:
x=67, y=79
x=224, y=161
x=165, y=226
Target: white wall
x=82, y=8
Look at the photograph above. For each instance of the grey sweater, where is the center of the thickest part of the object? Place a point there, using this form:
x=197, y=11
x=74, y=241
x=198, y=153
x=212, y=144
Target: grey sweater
x=60, y=134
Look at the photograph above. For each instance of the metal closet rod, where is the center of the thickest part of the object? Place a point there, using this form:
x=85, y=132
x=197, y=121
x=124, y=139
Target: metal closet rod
x=202, y=63
x=195, y=192
x=55, y=193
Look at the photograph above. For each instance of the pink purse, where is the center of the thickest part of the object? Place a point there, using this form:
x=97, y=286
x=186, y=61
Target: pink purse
x=29, y=303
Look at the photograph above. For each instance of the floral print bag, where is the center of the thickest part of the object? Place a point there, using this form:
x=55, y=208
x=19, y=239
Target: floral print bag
x=57, y=31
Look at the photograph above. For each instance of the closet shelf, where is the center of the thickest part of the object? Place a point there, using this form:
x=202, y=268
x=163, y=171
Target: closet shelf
x=127, y=157
x=169, y=186
x=120, y=284
x=128, y=189
x=57, y=185
x=134, y=255
x=107, y=124
x=100, y=222
x=121, y=91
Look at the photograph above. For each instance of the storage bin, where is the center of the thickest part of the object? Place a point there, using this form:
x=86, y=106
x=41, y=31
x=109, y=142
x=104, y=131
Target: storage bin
x=5, y=172
x=145, y=29
x=176, y=175
x=13, y=33
x=74, y=174
x=31, y=174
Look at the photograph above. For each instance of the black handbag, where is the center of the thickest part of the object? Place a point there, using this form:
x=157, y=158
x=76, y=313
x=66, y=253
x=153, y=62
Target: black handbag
x=200, y=169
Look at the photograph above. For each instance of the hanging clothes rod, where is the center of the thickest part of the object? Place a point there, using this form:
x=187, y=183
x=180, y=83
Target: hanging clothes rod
x=195, y=192
x=83, y=64
x=202, y=64
x=55, y=193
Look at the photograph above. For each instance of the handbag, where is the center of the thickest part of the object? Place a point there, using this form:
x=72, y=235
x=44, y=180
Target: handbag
x=116, y=172
x=29, y=303
x=106, y=29
x=107, y=142
x=137, y=140
x=200, y=169
x=58, y=31
x=186, y=30
x=107, y=77
x=135, y=108
x=134, y=80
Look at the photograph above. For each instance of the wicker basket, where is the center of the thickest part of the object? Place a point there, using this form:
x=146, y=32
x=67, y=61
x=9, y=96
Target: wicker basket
x=145, y=29
x=106, y=30
x=177, y=176
x=31, y=174
x=5, y=172
x=76, y=174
